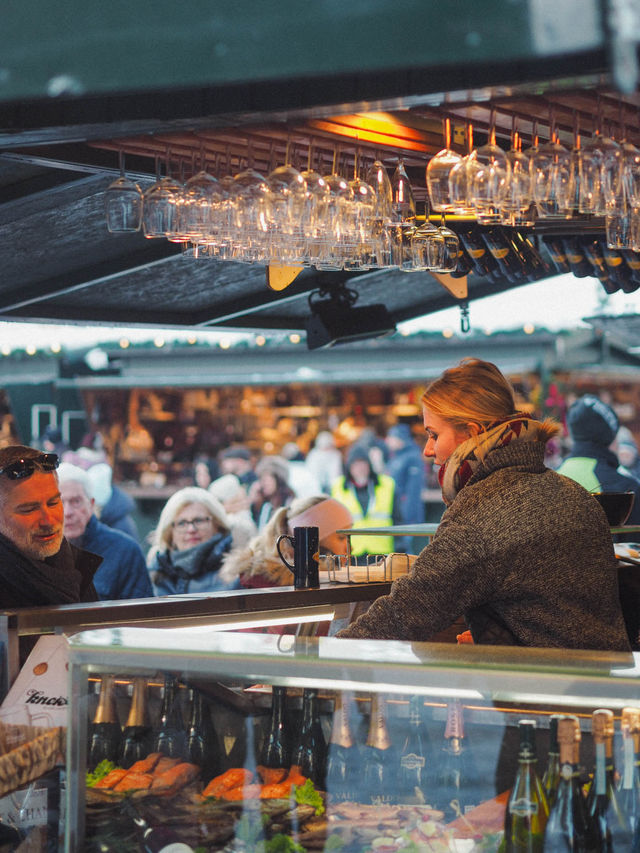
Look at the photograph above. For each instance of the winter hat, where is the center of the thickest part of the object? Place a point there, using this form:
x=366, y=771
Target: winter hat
x=226, y=487
x=99, y=477
x=275, y=465
x=328, y=516
x=402, y=432
x=589, y=419
x=238, y=451
x=357, y=452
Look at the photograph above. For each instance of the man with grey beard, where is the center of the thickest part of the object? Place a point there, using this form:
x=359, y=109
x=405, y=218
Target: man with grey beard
x=38, y=567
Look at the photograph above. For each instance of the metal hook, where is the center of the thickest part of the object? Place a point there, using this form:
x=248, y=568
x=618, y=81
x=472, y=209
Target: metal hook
x=465, y=322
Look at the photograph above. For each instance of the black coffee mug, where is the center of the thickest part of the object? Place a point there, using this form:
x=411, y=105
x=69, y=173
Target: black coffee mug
x=305, y=556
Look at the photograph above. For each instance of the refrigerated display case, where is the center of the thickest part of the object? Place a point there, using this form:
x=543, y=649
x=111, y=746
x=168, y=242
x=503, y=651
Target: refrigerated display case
x=389, y=686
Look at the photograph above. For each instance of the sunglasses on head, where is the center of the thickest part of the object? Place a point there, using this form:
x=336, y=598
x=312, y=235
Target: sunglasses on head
x=23, y=468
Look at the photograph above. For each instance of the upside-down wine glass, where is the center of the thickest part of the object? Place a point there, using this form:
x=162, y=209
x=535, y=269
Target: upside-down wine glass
x=437, y=174
x=551, y=170
x=160, y=204
x=123, y=203
x=516, y=203
x=489, y=180
x=461, y=179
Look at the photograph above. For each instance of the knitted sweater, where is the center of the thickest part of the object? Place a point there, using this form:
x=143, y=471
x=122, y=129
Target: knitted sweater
x=523, y=553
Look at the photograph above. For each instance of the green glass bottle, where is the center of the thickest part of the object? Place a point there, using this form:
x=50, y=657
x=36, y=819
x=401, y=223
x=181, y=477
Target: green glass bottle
x=527, y=810
x=551, y=776
x=569, y=828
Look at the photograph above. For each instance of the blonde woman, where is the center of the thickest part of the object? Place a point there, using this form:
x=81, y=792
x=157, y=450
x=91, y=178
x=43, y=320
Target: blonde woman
x=189, y=543
x=524, y=554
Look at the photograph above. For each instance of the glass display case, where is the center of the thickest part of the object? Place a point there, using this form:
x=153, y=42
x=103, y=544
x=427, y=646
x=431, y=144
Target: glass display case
x=277, y=742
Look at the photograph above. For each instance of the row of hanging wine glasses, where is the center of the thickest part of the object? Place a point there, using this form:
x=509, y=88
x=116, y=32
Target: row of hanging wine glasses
x=599, y=177
x=288, y=217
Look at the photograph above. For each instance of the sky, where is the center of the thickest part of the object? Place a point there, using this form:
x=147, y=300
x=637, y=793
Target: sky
x=561, y=302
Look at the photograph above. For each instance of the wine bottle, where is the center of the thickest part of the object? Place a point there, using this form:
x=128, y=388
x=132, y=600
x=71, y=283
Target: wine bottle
x=629, y=785
x=105, y=734
x=310, y=751
x=576, y=258
x=593, y=253
x=154, y=839
x=551, y=775
x=503, y=253
x=527, y=810
x=481, y=259
x=137, y=735
x=379, y=770
x=342, y=758
x=602, y=800
x=633, y=262
x=617, y=268
x=170, y=737
x=414, y=758
x=558, y=254
x=276, y=748
x=463, y=263
x=202, y=744
x=569, y=829
x=458, y=786
x=535, y=268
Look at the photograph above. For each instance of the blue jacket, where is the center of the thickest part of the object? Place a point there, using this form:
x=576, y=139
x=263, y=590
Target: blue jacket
x=117, y=511
x=406, y=467
x=123, y=571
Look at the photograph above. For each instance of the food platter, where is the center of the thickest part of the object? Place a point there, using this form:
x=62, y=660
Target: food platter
x=234, y=813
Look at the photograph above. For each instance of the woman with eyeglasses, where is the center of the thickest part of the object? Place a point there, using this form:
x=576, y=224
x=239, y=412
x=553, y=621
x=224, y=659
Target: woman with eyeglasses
x=190, y=541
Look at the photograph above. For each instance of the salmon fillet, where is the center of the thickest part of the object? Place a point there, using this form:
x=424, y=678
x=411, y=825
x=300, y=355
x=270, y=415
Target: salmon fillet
x=176, y=777
x=134, y=782
x=111, y=778
x=146, y=765
x=165, y=763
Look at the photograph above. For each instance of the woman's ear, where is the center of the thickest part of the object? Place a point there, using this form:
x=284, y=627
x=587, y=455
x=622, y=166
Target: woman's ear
x=474, y=429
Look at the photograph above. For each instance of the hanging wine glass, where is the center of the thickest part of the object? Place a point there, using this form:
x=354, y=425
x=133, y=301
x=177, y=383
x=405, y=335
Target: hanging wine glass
x=574, y=201
x=516, y=203
x=251, y=215
x=618, y=188
x=361, y=219
x=123, y=203
x=286, y=201
x=201, y=193
x=451, y=248
x=427, y=245
x=376, y=176
x=160, y=205
x=490, y=179
x=403, y=215
x=551, y=170
x=438, y=170
x=332, y=218
x=315, y=194
x=461, y=179
x=599, y=162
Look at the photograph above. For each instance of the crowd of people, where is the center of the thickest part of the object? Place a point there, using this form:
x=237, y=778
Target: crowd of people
x=71, y=530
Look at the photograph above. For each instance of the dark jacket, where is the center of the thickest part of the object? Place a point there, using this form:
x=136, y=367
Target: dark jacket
x=117, y=511
x=192, y=570
x=523, y=553
x=123, y=572
x=596, y=468
x=65, y=578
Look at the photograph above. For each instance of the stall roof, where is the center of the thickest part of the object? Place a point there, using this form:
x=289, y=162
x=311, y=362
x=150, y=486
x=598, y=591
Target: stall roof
x=242, y=82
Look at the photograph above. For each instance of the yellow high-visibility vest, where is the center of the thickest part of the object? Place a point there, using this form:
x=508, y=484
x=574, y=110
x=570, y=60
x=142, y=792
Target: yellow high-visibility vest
x=380, y=514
